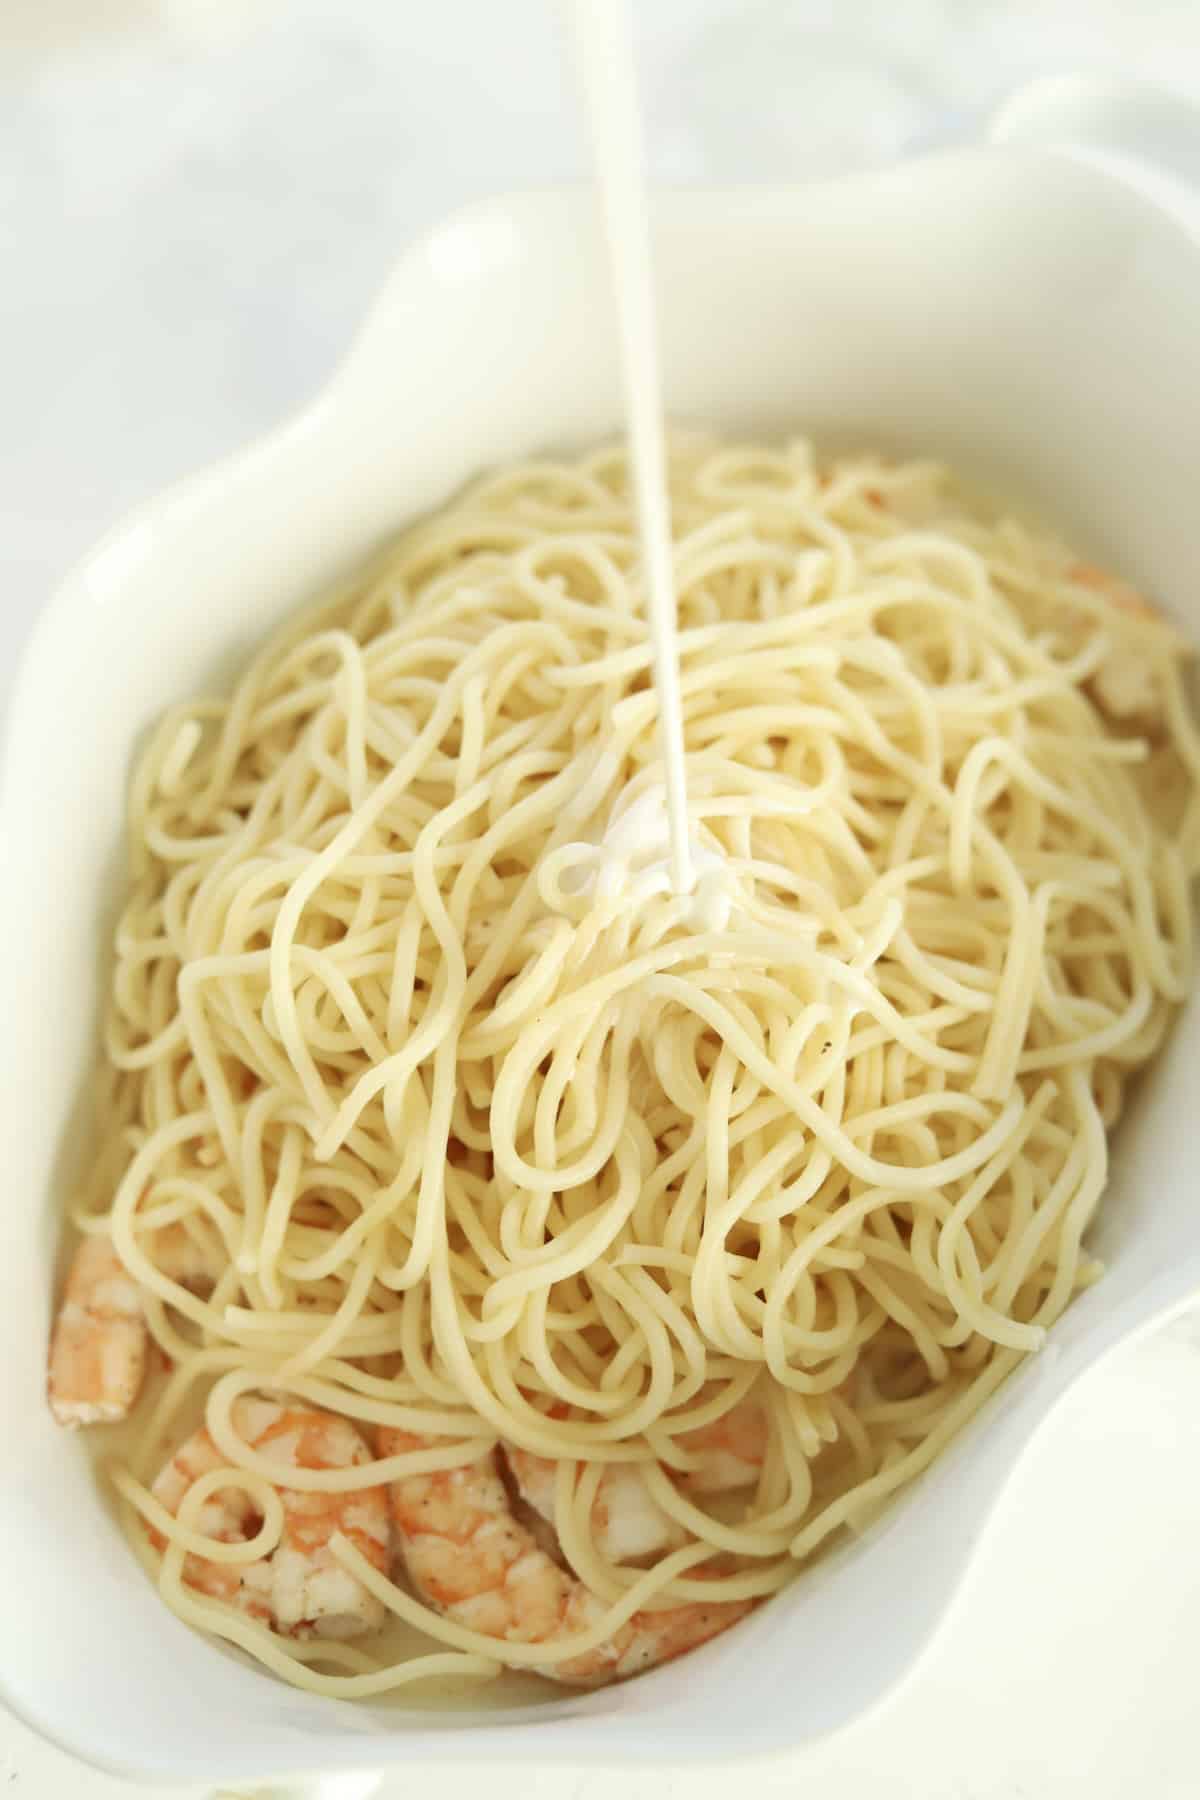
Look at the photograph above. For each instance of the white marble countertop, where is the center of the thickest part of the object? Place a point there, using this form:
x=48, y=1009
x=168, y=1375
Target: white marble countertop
x=197, y=200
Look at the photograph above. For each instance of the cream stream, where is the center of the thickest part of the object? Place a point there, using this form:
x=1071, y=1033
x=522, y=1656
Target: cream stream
x=604, y=45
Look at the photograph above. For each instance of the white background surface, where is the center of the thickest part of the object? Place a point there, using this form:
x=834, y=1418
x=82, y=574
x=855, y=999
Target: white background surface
x=197, y=200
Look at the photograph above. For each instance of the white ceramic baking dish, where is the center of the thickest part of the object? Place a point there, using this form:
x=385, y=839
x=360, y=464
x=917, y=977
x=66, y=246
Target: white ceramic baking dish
x=1022, y=314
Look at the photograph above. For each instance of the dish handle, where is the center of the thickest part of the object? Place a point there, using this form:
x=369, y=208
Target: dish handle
x=354, y=1784
x=1148, y=135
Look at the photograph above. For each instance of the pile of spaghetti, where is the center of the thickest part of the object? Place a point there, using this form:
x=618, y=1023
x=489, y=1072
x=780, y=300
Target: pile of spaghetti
x=479, y=1148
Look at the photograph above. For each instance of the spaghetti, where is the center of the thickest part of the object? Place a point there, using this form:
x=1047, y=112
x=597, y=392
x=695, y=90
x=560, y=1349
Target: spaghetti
x=480, y=1139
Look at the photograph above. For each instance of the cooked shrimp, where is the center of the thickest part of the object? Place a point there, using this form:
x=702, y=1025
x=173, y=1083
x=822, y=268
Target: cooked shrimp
x=98, y=1350
x=466, y=1554
x=627, y=1522
x=731, y=1450
x=1125, y=685
x=299, y=1588
x=98, y=1347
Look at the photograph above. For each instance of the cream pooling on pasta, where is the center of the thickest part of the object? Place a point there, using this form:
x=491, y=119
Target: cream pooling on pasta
x=485, y=1150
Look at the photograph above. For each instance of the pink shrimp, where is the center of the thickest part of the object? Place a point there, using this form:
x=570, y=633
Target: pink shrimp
x=98, y=1347
x=627, y=1522
x=299, y=1587
x=468, y=1555
x=1125, y=684
x=732, y=1450
x=98, y=1350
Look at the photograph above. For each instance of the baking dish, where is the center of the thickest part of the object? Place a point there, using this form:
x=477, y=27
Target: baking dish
x=1028, y=317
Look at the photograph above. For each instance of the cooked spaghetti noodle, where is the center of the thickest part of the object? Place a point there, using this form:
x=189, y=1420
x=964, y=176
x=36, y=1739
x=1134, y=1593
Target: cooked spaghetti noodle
x=482, y=1142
